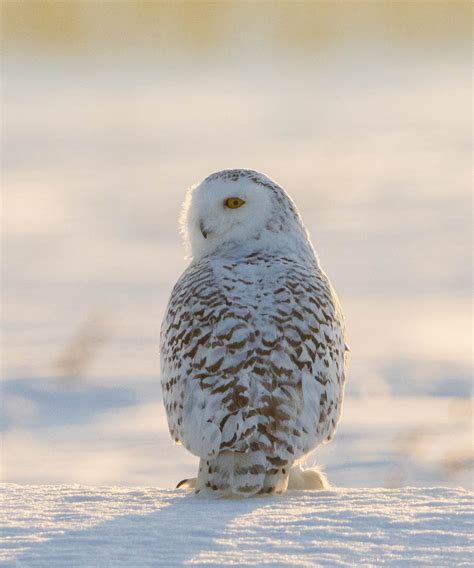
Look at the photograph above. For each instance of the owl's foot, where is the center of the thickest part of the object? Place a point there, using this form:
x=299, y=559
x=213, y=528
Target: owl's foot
x=307, y=479
x=299, y=479
x=187, y=483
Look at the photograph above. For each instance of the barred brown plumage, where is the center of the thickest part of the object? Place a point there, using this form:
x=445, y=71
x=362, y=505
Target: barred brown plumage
x=252, y=346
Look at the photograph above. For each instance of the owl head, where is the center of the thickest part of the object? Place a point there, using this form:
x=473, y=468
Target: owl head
x=237, y=211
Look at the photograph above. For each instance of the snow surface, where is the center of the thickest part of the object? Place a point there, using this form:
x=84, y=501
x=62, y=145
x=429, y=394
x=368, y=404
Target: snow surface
x=73, y=525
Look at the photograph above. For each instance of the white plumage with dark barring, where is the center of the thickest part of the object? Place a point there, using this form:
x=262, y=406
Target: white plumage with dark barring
x=253, y=351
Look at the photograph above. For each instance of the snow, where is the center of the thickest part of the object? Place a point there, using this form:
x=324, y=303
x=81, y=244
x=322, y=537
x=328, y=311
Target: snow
x=72, y=525
x=375, y=148
x=373, y=143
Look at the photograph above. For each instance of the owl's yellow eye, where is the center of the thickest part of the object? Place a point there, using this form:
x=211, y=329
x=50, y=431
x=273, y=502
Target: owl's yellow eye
x=234, y=202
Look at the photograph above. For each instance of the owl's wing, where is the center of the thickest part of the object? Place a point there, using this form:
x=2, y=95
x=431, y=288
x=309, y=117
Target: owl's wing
x=206, y=346
x=298, y=363
x=314, y=338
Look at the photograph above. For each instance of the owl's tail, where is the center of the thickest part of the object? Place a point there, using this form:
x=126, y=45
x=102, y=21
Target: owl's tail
x=239, y=474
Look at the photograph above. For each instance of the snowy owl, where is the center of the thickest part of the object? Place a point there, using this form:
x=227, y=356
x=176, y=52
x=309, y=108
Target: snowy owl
x=253, y=354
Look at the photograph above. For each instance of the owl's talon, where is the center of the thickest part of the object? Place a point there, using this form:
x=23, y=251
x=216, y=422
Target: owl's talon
x=187, y=483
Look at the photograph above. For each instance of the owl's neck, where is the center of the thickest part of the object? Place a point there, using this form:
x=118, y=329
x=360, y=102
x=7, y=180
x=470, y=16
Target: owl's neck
x=273, y=244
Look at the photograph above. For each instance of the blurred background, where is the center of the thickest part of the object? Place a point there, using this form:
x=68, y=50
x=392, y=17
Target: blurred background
x=110, y=110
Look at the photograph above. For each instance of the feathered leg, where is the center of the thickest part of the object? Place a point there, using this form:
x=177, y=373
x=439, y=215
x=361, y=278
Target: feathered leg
x=232, y=474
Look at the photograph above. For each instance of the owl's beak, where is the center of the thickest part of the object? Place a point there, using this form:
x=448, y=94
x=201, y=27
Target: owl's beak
x=204, y=231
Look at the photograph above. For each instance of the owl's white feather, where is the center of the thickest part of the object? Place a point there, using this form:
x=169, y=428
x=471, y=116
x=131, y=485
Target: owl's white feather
x=253, y=352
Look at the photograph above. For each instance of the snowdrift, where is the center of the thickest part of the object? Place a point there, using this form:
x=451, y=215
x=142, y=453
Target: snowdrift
x=72, y=525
